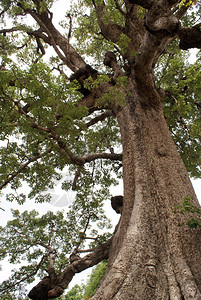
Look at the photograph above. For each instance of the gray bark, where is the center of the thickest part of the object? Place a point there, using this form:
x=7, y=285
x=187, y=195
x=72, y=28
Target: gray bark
x=152, y=256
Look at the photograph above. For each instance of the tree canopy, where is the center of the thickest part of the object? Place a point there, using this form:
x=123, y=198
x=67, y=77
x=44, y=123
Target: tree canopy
x=58, y=118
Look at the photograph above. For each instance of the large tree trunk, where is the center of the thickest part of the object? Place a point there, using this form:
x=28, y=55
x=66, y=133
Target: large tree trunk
x=152, y=255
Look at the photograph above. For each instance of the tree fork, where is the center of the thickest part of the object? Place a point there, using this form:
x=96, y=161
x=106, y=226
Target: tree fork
x=53, y=286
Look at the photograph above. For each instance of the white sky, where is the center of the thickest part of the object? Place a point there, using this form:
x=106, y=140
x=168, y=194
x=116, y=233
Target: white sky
x=59, y=10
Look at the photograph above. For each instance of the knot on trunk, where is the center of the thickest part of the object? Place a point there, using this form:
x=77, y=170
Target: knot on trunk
x=56, y=292
x=117, y=204
x=110, y=59
x=81, y=75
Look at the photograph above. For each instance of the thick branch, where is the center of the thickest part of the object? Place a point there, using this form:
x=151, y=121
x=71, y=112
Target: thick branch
x=49, y=289
x=162, y=27
x=93, y=156
x=144, y=3
x=60, y=44
x=190, y=37
x=110, y=31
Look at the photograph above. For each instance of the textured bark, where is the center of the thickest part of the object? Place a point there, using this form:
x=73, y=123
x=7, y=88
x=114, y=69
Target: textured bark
x=190, y=37
x=152, y=256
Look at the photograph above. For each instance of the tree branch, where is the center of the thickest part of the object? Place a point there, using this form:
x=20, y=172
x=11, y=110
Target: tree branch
x=144, y=3
x=86, y=250
x=51, y=289
x=71, y=58
x=162, y=27
x=118, y=6
x=101, y=117
x=13, y=29
x=81, y=160
x=190, y=37
x=93, y=156
x=82, y=235
x=74, y=184
x=110, y=31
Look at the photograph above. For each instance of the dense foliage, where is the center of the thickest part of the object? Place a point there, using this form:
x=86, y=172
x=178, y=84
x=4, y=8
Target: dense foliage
x=187, y=207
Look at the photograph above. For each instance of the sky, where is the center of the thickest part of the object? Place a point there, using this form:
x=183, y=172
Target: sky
x=59, y=9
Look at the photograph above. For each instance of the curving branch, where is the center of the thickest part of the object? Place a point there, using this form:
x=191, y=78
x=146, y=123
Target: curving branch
x=53, y=286
x=53, y=37
x=162, y=27
x=190, y=37
x=101, y=117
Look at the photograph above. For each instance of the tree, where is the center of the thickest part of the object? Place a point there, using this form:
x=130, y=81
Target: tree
x=94, y=279
x=75, y=293
x=138, y=92
x=87, y=291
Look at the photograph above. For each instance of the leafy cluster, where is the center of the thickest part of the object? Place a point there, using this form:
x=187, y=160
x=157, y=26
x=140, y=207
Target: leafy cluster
x=187, y=207
x=180, y=80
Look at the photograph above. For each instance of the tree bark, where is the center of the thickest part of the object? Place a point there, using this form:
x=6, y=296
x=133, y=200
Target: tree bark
x=152, y=256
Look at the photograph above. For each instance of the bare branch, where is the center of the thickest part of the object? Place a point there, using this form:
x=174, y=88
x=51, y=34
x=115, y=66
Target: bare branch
x=77, y=175
x=70, y=29
x=101, y=117
x=40, y=46
x=190, y=37
x=93, y=156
